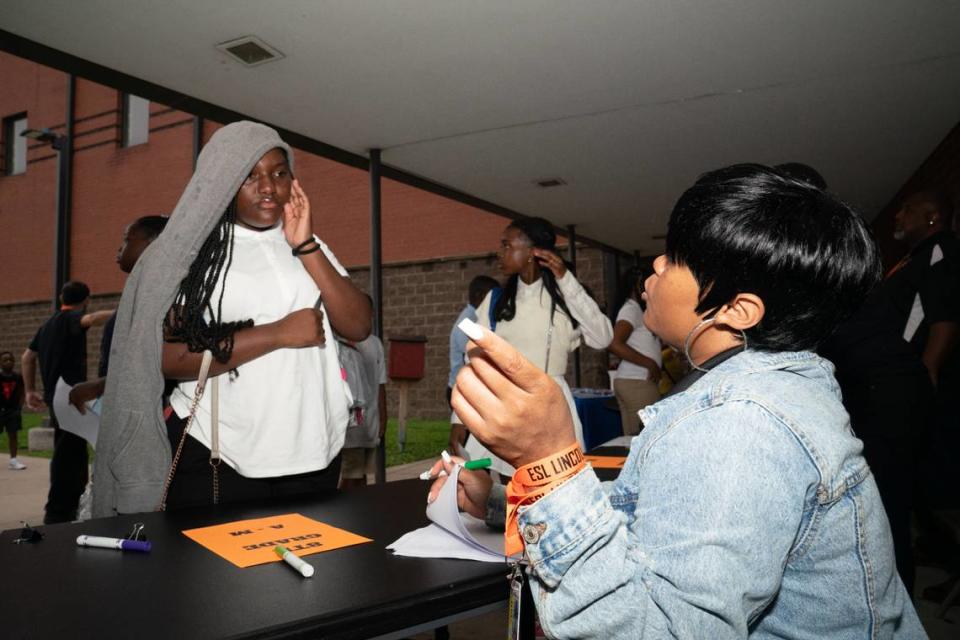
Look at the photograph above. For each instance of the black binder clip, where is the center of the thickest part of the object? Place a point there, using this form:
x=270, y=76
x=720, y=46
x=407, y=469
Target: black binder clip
x=29, y=534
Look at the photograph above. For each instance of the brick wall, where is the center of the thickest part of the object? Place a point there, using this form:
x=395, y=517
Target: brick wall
x=425, y=298
x=113, y=185
x=425, y=236
x=420, y=298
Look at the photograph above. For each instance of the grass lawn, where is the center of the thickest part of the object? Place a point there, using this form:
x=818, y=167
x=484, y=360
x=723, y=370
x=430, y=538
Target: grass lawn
x=425, y=439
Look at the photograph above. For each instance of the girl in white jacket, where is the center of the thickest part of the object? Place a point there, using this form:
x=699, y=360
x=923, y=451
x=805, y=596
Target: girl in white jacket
x=542, y=310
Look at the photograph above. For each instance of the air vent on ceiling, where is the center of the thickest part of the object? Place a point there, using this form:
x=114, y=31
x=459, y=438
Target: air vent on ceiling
x=250, y=50
x=546, y=183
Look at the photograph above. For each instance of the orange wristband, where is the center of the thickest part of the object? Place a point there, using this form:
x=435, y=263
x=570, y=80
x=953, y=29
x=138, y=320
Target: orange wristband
x=535, y=480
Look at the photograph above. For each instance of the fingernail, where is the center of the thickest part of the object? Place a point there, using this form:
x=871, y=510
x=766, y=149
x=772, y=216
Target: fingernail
x=431, y=498
x=445, y=456
x=471, y=328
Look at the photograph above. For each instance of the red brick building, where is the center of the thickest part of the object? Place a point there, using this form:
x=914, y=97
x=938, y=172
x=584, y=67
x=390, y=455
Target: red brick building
x=132, y=158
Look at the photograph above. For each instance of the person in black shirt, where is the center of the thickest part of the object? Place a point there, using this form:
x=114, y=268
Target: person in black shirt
x=890, y=355
x=924, y=287
x=60, y=348
x=136, y=237
x=11, y=399
x=925, y=291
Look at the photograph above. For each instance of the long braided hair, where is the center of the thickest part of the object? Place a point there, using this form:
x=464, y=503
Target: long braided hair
x=187, y=320
x=541, y=235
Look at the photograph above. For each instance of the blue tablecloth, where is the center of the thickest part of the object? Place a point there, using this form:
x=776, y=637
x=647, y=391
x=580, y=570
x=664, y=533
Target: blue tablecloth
x=598, y=415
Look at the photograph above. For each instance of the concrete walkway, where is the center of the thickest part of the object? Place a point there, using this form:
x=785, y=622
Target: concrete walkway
x=23, y=493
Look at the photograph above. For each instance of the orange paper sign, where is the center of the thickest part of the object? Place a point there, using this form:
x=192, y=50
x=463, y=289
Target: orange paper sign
x=606, y=462
x=246, y=543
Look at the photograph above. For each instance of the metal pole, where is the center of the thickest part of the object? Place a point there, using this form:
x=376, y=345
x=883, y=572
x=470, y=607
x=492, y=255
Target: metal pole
x=572, y=249
x=611, y=281
x=376, y=282
x=197, y=138
x=64, y=146
x=376, y=247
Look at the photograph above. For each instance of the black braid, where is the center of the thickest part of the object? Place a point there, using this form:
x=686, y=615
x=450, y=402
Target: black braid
x=541, y=235
x=186, y=322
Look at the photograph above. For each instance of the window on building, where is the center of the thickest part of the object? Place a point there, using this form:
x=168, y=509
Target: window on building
x=14, y=144
x=136, y=120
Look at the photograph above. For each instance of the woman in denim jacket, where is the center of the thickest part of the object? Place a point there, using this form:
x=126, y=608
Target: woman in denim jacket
x=745, y=508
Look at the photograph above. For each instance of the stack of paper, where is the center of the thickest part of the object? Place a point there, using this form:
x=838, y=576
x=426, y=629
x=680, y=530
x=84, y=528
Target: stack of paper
x=452, y=534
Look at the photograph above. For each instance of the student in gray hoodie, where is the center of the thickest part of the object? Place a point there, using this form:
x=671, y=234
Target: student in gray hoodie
x=237, y=272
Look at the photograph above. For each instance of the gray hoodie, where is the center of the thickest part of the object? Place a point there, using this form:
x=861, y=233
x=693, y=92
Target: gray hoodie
x=133, y=453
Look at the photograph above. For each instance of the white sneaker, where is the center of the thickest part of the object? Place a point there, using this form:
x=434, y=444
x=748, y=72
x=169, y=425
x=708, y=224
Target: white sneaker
x=16, y=465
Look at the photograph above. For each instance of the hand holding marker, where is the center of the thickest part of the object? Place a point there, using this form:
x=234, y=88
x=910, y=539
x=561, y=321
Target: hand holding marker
x=472, y=465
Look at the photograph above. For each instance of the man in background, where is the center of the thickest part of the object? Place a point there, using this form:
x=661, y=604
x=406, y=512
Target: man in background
x=889, y=356
x=60, y=348
x=136, y=237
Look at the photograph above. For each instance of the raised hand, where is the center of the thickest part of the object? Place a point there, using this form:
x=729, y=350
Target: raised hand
x=512, y=407
x=297, y=223
x=550, y=260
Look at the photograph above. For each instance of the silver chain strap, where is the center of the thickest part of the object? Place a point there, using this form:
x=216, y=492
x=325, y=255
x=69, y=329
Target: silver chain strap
x=197, y=394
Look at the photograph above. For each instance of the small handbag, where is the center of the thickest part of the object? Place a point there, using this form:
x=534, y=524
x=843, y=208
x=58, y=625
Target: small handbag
x=214, y=431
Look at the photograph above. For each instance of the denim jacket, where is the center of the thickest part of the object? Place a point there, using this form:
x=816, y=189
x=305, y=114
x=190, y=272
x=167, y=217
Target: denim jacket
x=745, y=508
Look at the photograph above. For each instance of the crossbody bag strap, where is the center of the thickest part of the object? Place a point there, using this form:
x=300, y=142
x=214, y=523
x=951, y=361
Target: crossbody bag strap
x=197, y=394
x=215, y=437
x=546, y=365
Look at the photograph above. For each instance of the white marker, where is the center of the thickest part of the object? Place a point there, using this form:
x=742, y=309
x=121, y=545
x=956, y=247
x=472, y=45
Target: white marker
x=305, y=569
x=471, y=328
x=123, y=544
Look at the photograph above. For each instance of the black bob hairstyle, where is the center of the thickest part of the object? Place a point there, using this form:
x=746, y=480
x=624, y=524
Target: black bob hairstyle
x=748, y=228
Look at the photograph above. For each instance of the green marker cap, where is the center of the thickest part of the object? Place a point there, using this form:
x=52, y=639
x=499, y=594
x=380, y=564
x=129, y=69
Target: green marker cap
x=481, y=463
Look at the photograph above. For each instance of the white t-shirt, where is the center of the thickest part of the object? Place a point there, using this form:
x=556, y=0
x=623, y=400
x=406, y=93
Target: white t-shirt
x=285, y=412
x=640, y=340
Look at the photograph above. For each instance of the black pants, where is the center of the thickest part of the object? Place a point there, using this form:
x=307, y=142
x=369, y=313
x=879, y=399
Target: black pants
x=68, y=474
x=891, y=415
x=193, y=481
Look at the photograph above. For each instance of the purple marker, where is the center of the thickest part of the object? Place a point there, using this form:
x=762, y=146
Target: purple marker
x=113, y=543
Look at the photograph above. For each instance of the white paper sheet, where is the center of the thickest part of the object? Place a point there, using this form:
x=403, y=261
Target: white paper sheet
x=86, y=425
x=452, y=534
